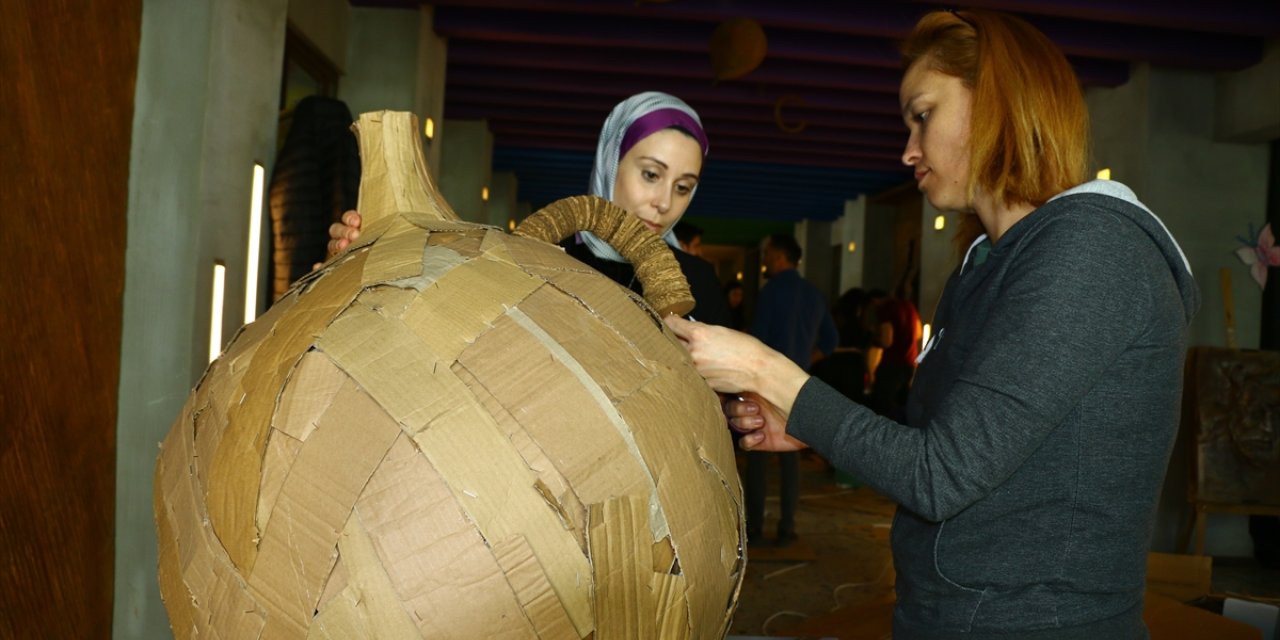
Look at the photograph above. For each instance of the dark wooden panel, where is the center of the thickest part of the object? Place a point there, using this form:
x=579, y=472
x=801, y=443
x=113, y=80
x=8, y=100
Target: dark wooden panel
x=67, y=96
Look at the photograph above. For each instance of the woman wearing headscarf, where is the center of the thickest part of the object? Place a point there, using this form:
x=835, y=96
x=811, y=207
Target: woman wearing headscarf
x=648, y=161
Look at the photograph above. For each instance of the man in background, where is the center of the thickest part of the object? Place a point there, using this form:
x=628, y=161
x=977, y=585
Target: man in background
x=791, y=317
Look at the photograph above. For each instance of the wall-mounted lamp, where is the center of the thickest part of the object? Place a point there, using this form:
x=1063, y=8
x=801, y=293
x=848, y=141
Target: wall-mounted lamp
x=853, y=246
x=215, y=314
x=511, y=225
x=939, y=223
x=255, y=236
x=739, y=277
x=484, y=193
x=1104, y=174
x=429, y=128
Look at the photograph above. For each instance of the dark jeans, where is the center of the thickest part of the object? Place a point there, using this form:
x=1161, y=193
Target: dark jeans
x=757, y=483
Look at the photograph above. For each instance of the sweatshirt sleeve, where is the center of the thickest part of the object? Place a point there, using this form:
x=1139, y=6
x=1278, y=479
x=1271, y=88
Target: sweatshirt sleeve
x=1072, y=299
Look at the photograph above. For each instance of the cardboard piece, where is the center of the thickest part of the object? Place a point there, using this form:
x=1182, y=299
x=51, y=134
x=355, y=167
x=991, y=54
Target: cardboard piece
x=449, y=432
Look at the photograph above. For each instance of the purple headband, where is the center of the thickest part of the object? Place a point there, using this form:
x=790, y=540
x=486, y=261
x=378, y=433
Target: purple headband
x=658, y=120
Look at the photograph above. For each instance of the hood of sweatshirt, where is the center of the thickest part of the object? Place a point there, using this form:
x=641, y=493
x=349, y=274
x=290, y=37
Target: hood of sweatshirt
x=1120, y=199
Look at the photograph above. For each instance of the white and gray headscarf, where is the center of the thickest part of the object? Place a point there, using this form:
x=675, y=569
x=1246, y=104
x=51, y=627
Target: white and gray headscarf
x=630, y=122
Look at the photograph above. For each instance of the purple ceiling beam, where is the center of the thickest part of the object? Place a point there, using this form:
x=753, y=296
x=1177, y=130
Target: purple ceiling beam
x=651, y=34
x=1237, y=17
x=1186, y=49
x=691, y=91
x=594, y=108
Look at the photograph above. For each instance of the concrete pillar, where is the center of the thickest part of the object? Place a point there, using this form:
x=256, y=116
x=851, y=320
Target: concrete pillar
x=1157, y=133
x=502, y=200
x=466, y=165
x=205, y=110
x=937, y=257
x=429, y=96
x=394, y=60
x=850, y=232
x=323, y=23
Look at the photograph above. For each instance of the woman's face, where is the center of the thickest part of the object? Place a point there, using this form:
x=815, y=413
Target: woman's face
x=936, y=108
x=657, y=176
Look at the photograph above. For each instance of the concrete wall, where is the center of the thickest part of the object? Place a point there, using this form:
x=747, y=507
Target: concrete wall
x=466, y=165
x=324, y=24
x=1157, y=133
x=205, y=110
x=937, y=258
x=394, y=60
x=503, y=207
x=851, y=228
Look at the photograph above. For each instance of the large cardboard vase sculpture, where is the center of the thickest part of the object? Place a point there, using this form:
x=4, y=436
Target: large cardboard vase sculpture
x=452, y=432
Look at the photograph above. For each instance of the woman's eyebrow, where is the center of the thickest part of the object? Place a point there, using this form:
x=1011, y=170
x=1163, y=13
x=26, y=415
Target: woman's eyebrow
x=664, y=165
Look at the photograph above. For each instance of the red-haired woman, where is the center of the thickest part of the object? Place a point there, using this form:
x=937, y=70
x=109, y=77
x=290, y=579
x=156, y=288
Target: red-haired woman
x=1044, y=408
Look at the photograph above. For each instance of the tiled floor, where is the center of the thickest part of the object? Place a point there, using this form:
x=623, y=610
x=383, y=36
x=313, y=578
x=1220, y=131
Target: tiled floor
x=844, y=560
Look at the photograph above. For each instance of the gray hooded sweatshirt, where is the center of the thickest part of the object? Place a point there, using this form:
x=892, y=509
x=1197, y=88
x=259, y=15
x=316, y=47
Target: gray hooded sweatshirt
x=1042, y=416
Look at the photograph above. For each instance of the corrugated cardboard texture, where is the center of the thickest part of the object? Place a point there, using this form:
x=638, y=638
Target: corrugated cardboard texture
x=449, y=432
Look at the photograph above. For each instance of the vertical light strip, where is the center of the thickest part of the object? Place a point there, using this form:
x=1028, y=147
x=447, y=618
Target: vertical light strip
x=255, y=238
x=215, y=315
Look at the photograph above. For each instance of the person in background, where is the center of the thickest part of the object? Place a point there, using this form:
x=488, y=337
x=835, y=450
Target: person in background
x=648, y=161
x=900, y=326
x=792, y=317
x=1046, y=404
x=845, y=370
x=689, y=236
x=733, y=295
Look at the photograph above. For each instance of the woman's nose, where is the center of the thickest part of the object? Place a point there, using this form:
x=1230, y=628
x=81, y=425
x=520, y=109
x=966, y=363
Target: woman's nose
x=911, y=155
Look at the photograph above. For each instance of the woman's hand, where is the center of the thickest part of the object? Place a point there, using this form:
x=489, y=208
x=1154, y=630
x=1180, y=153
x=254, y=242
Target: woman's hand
x=342, y=234
x=738, y=364
x=762, y=425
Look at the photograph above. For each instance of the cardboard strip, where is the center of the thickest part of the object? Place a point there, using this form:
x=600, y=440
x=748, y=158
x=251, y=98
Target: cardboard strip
x=544, y=259
x=466, y=242
x=299, y=547
x=308, y=393
x=656, y=518
x=431, y=221
x=445, y=575
x=558, y=493
x=369, y=606
x=523, y=375
x=282, y=451
x=622, y=310
x=673, y=609
x=397, y=255
x=496, y=491
x=488, y=286
x=214, y=587
x=532, y=588
x=236, y=470
x=606, y=355
x=393, y=364
x=620, y=557
x=704, y=531
x=173, y=590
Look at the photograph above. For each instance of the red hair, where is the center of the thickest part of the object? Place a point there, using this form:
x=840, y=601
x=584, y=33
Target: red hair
x=1029, y=127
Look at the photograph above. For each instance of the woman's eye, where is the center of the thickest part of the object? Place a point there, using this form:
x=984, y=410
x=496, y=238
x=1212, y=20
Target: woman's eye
x=684, y=189
x=649, y=175
x=922, y=116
